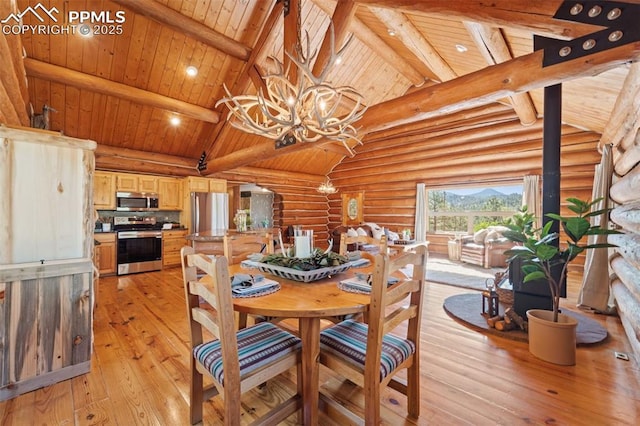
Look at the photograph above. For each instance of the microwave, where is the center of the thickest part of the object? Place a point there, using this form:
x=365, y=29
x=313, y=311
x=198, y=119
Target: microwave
x=136, y=201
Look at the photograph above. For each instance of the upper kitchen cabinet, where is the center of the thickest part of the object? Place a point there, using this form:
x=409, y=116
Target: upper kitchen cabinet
x=170, y=193
x=200, y=184
x=136, y=183
x=104, y=191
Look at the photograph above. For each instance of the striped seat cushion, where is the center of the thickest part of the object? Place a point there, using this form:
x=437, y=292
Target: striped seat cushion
x=349, y=339
x=258, y=346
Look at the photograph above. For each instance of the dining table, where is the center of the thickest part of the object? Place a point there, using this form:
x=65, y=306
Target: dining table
x=309, y=302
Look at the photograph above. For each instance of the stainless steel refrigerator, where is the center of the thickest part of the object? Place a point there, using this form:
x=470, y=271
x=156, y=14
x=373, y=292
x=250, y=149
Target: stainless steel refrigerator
x=209, y=212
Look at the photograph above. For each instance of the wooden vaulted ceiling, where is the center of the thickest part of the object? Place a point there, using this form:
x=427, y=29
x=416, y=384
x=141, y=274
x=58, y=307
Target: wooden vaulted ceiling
x=121, y=89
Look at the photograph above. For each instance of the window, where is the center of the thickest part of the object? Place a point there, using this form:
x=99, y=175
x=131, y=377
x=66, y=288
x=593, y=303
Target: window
x=465, y=210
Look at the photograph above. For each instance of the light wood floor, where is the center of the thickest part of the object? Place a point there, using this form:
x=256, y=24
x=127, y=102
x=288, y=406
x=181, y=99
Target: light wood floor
x=140, y=374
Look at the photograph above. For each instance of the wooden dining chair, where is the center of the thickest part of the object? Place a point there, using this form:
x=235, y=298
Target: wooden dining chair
x=238, y=246
x=235, y=361
x=362, y=242
x=371, y=354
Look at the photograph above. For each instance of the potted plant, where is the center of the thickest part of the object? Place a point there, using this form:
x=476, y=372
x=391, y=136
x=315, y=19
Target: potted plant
x=540, y=255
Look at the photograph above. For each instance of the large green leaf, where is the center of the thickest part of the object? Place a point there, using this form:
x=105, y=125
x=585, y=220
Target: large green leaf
x=576, y=228
x=536, y=275
x=546, y=252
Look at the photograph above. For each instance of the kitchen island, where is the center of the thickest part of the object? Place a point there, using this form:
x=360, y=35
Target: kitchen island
x=212, y=241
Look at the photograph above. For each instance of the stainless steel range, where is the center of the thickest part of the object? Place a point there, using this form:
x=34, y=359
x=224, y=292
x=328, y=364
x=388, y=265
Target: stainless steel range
x=139, y=247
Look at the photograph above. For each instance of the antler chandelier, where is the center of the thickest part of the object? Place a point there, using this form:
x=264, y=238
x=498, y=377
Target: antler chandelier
x=308, y=109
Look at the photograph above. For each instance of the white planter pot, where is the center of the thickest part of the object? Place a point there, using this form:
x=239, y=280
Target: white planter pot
x=550, y=341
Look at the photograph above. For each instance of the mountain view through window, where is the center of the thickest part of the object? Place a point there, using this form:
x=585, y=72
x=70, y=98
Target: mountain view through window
x=469, y=209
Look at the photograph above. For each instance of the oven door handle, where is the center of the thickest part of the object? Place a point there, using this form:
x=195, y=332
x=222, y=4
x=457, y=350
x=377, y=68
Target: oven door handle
x=138, y=234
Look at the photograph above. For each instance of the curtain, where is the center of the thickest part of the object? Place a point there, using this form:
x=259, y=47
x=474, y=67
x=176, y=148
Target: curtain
x=594, y=292
x=421, y=213
x=531, y=196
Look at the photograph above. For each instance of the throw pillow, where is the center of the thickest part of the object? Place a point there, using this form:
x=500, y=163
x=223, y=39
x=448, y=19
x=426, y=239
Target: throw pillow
x=377, y=233
x=362, y=232
x=352, y=232
x=479, y=236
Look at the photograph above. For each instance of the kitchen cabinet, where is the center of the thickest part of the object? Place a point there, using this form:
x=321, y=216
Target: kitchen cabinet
x=106, y=257
x=104, y=191
x=126, y=182
x=170, y=193
x=172, y=242
x=200, y=184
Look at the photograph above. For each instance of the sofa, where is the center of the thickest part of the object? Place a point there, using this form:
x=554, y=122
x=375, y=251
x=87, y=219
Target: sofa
x=486, y=247
x=368, y=229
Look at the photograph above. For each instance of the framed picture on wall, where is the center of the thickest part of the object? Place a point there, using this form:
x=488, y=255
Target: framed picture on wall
x=352, y=209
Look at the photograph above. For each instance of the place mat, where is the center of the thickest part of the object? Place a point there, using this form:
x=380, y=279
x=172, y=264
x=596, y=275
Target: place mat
x=261, y=288
x=360, y=284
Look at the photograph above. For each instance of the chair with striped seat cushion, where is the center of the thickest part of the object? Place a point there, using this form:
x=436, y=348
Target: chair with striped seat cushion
x=258, y=346
x=370, y=355
x=235, y=361
x=349, y=340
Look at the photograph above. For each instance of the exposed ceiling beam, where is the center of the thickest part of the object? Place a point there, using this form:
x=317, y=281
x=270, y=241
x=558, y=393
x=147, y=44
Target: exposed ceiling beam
x=92, y=83
x=145, y=156
x=415, y=42
x=487, y=85
x=534, y=16
x=493, y=47
x=194, y=29
x=490, y=84
x=343, y=14
x=291, y=36
x=375, y=43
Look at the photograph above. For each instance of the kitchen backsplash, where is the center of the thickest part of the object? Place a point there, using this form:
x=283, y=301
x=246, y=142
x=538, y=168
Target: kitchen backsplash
x=106, y=216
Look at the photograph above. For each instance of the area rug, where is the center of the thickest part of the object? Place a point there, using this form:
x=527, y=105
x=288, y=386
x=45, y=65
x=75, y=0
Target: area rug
x=467, y=309
x=444, y=271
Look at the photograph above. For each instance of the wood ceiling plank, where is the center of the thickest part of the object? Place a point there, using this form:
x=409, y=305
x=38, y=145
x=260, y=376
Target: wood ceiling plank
x=110, y=121
x=185, y=25
x=72, y=111
x=85, y=107
x=146, y=59
x=134, y=121
x=144, y=121
x=57, y=94
x=97, y=119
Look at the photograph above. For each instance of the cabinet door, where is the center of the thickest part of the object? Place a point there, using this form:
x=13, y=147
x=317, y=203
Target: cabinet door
x=172, y=242
x=170, y=193
x=217, y=185
x=106, y=253
x=197, y=184
x=148, y=184
x=127, y=183
x=104, y=191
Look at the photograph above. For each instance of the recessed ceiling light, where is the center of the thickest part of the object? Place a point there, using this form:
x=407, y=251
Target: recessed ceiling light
x=191, y=71
x=174, y=120
x=461, y=48
x=391, y=32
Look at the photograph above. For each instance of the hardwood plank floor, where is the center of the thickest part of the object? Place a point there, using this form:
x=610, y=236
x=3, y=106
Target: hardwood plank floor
x=139, y=373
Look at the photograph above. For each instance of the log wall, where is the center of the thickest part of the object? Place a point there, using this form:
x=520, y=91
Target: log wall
x=626, y=262
x=482, y=146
